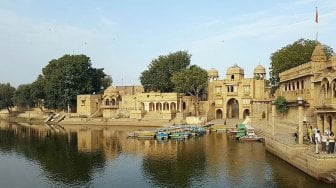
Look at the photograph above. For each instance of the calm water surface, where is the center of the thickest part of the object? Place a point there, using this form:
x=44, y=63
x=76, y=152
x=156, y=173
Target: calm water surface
x=40, y=156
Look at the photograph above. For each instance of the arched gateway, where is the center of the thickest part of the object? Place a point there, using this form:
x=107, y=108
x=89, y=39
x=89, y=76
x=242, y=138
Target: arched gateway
x=219, y=114
x=232, y=108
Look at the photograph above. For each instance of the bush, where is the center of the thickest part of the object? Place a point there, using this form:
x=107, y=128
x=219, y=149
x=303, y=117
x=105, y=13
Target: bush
x=281, y=104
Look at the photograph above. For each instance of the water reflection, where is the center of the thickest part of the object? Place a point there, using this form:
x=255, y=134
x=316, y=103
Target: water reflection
x=104, y=157
x=56, y=152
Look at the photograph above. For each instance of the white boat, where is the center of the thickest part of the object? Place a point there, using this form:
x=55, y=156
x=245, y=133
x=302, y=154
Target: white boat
x=250, y=135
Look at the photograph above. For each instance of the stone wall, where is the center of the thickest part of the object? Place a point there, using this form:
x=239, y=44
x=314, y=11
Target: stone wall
x=316, y=166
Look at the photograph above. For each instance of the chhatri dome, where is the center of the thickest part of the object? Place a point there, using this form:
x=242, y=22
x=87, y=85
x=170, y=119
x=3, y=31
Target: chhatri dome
x=259, y=70
x=318, y=53
x=235, y=69
x=111, y=91
x=213, y=73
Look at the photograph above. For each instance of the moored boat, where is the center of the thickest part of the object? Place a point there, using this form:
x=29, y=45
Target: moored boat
x=250, y=134
x=146, y=134
x=161, y=135
x=251, y=137
x=231, y=131
x=180, y=135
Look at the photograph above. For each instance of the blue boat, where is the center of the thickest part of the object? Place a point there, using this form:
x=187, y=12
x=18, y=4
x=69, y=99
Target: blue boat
x=161, y=135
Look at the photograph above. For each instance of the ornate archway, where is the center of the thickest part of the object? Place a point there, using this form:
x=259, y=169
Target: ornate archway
x=232, y=108
x=219, y=114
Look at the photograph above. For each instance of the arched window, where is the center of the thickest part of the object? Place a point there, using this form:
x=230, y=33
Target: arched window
x=107, y=102
x=232, y=77
x=297, y=85
x=173, y=106
x=184, y=105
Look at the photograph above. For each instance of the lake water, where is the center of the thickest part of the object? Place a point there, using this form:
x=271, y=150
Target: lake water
x=41, y=156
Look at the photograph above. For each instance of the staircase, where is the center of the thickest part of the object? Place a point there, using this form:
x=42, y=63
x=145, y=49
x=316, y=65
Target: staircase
x=97, y=113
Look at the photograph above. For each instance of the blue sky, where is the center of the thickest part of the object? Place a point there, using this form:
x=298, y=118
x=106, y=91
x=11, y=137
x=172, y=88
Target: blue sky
x=123, y=36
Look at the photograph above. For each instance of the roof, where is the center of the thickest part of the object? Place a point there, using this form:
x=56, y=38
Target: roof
x=259, y=70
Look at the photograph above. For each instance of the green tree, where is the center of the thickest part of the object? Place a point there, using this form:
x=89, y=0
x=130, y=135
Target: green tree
x=67, y=77
x=291, y=56
x=37, y=91
x=23, y=96
x=107, y=81
x=159, y=73
x=192, y=81
x=6, y=96
x=281, y=105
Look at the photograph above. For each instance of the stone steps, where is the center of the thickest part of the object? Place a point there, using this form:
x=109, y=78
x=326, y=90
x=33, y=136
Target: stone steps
x=329, y=177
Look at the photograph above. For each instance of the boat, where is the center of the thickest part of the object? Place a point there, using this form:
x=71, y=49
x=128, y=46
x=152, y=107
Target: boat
x=146, y=134
x=180, y=135
x=241, y=131
x=250, y=135
x=134, y=134
x=232, y=131
x=161, y=135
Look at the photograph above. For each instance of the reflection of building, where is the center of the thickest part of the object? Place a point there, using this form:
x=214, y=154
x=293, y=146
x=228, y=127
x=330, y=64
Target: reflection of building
x=89, y=140
x=315, y=83
x=236, y=96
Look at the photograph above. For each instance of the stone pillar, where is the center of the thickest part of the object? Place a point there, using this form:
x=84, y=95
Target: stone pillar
x=300, y=110
x=273, y=118
x=146, y=106
x=325, y=123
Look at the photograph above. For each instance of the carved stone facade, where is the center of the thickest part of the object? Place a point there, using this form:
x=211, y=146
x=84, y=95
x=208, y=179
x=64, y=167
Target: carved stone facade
x=315, y=83
x=132, y=102
x=236, y=96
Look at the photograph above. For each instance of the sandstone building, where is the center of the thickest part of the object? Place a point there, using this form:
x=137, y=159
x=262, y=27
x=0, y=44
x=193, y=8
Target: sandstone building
x=236, y=96
x=315, y=83
x=132, y=102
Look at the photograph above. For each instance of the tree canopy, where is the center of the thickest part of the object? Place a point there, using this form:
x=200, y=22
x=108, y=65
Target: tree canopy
x=23, y=95
x=67, y=77
x=192, y=81
x=6, y=96
x=293, y=55
x=159, y=73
